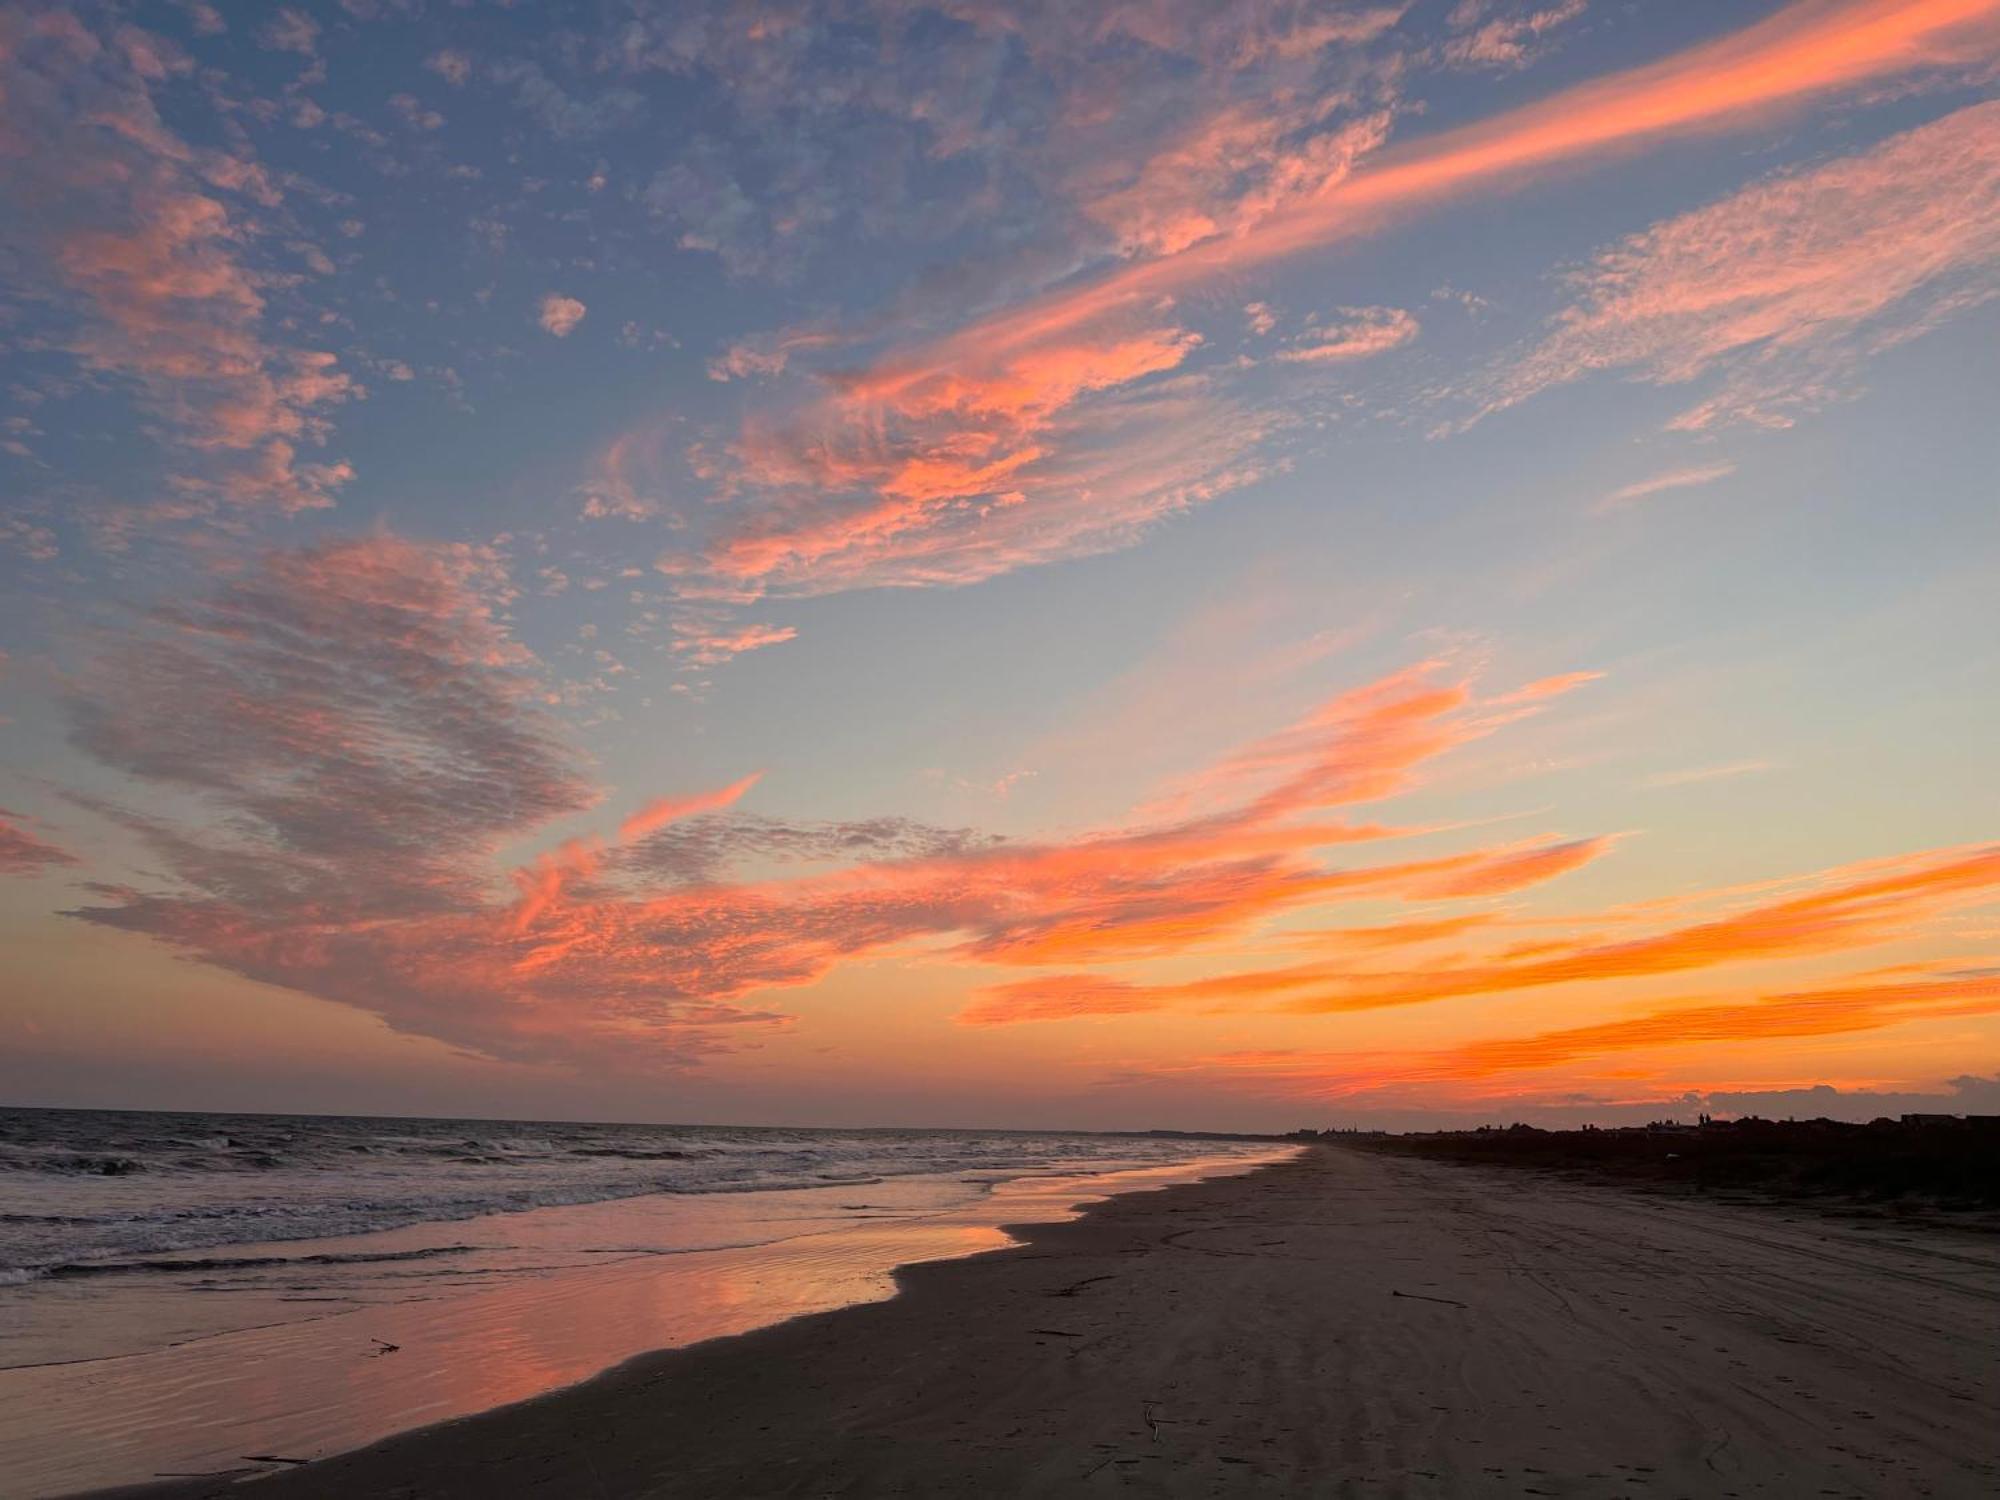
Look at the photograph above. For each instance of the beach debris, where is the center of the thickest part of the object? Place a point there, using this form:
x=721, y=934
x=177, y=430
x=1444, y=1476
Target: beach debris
x=383, y=1346
x=1075, y=1286
x=1056, y=1333
x=272, y=1458
x=1420, y=1297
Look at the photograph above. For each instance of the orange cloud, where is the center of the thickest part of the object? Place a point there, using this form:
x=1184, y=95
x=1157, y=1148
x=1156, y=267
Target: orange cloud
x=981, y=476
x=1856, y=907
x=1807, y=49
x=1478, y=873
x=1060, y=997
x=1386, y=729
x=1836, y=1010
x=1803, y=1013
x=657, y=814
x=544, y=883
x=1547, y=687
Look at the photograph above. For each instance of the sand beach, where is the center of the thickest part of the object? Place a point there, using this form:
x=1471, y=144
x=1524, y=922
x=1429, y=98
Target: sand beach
x=1340, y=1324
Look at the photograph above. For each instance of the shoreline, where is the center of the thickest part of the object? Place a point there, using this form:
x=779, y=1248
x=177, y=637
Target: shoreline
x=553, y=1298
x=1335, y=1323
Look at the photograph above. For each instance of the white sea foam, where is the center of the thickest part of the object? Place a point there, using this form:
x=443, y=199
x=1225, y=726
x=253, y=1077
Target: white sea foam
x=96, y=1192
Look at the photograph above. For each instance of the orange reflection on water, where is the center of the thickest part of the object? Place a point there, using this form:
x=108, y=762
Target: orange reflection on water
x=314, y=1387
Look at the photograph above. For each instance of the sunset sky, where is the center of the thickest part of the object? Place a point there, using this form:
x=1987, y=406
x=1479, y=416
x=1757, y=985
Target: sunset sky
x=1169, y=562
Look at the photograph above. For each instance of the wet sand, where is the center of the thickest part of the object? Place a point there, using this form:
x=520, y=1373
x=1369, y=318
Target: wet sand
x=1342, y=1324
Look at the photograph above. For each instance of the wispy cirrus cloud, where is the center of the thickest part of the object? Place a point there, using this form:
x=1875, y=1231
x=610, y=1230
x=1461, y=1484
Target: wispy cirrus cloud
x=357, y=703
x=1784, y=288
x=289, y=29
x=365, y=737
x=1505, y=37
x=1865, y=1004
x=1852, y=908
x=1060, y=997
x=362, y=736
x=1087, y=131
x=662, y=811
x=1805, y=50
x=933, y=462
x=1694, y=775
x=711, y=847
x=917, y=481
x=1829, y=1011
x=144, y=244
x=709, y=648
x=1685, y=478
x=1354, y=333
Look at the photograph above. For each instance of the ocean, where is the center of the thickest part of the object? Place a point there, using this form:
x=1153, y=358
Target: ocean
x=178, y=1291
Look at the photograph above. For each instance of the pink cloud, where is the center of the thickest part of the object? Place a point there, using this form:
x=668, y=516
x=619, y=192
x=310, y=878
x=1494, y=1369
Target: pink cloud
x=128, y=226
x=560, y=315
x=1359, y=333
x=1786, y=285
x=960, y=458
x=907, y=481
x=452, y=66
x=1672, y=479
x=1506, y=41
x=1227, y=173
x=1805, y=50
x=702, y=646
x=770, y=354
x=290, y=30
x=24, y=853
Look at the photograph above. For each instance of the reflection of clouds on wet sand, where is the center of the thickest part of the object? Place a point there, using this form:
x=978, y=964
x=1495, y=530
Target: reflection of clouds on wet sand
x=575, y=1291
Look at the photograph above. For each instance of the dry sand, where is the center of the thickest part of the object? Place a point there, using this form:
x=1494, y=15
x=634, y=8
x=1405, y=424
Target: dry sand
x=1344, y=1324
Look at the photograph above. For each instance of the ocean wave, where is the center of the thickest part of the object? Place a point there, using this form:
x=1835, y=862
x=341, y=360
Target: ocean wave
x=183, y=1265
x=182, y=1184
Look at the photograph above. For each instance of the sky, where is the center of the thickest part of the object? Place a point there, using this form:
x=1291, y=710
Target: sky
x=1220, y=564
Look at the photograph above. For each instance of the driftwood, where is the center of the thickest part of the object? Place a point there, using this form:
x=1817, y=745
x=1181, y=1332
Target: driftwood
x=1420, y=1297
x=1074, y=1287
